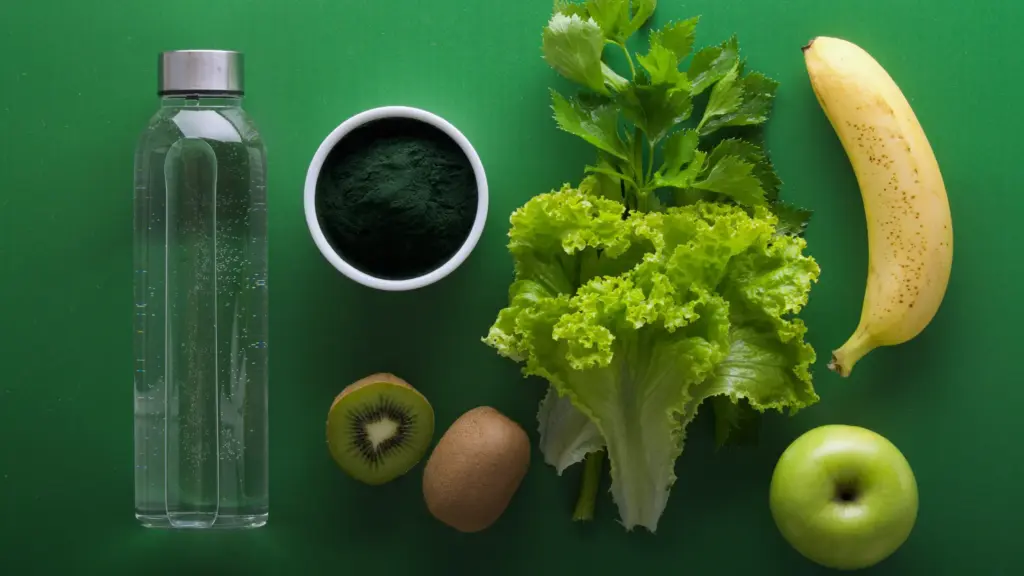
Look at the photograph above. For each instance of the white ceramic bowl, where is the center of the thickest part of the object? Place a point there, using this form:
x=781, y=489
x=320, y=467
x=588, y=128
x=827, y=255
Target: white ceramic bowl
x=314, y=173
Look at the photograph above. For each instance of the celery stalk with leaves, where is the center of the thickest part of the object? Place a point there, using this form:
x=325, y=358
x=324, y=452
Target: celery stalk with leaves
x=671, y=274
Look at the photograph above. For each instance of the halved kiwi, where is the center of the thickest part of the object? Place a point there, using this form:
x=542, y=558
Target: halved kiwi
x=378, y=428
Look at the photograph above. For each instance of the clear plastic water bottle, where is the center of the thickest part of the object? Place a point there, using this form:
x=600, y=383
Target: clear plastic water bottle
x=201, y=301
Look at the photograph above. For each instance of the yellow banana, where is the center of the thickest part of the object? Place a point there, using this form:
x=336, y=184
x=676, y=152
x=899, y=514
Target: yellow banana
x=910, y=229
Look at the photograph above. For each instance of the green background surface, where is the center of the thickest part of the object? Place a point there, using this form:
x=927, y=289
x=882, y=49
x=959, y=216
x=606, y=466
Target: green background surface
x=78, y=82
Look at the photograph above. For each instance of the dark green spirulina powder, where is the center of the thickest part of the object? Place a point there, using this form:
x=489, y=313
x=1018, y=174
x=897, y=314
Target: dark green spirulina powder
x=396, y=198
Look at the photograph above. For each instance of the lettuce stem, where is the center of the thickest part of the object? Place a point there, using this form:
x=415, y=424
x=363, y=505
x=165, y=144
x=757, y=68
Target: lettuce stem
x=592, y=467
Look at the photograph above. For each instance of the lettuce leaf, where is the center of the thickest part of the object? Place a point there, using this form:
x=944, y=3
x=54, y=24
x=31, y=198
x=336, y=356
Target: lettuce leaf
x=672, y=274
x=635, y=319
x=566, y=434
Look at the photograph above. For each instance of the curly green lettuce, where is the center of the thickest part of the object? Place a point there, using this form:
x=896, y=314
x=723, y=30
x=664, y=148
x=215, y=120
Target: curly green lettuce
x=635, y=318
x=672, y=274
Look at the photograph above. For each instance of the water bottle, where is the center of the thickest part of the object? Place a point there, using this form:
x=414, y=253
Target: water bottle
x=200, y=286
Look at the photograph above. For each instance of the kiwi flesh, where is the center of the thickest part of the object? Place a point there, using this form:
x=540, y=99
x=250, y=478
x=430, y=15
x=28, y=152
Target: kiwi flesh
x=379, y=428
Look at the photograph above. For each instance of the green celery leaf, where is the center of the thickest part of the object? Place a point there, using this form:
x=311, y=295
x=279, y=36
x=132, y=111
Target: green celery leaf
x=663, y=99
x=566, y=434
x=726, y=97
x=605, y=178
x=690, y=196
x=758, y=96
x=656, y=109
x=602, y=185
x=608, y=172
x=573, y=47
x=641, y=11
x=677, y=36
x=591, y=119
x=662, y=66
x=612, y=16
x=569, y=8
x=792, y=219
x=662, y=59
x=736, y=147
x=682, y=179
x=711, y=64
x=679, y=150
x=733, y=177
x=613, y=79
x=746, y=150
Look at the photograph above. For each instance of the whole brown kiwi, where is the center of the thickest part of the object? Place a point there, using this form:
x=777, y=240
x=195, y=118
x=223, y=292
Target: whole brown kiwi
x=475, y=469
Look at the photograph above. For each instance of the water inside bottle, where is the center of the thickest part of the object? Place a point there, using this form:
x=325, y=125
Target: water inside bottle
x=201, y=322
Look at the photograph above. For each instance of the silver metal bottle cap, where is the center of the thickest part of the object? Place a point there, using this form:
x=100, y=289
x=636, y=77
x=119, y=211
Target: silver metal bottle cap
x=201, y=72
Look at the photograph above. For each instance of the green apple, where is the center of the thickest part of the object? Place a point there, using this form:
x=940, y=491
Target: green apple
x=844, y=496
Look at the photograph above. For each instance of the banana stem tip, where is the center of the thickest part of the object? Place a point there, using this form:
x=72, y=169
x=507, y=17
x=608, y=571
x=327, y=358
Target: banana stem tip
x=836, y=366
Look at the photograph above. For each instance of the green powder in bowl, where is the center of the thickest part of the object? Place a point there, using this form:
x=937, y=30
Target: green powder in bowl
x=396, y=198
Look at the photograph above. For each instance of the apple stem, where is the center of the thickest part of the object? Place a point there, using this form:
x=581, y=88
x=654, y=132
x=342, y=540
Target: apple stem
x=592, y=467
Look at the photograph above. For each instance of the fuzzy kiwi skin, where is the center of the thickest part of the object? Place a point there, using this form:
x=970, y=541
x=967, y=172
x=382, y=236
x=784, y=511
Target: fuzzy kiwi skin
x=373, y=379
x=380, y=377
x=475, y=469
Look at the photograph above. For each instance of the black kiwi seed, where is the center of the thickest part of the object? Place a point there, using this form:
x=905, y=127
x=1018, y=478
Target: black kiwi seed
x=362, y=417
